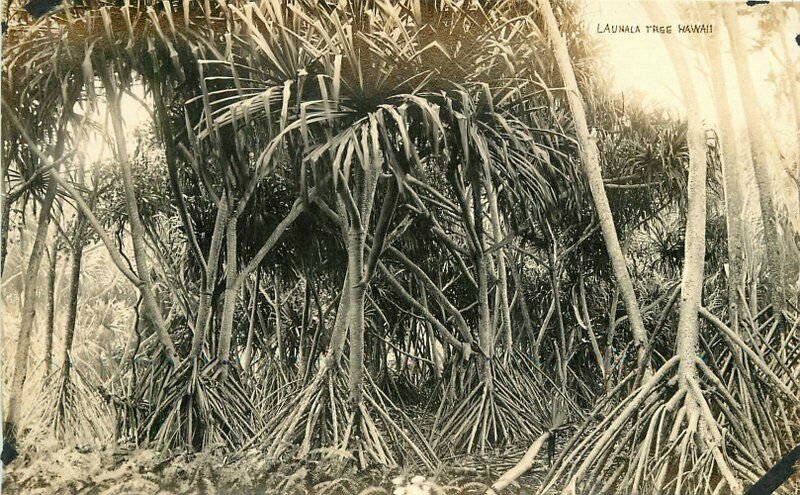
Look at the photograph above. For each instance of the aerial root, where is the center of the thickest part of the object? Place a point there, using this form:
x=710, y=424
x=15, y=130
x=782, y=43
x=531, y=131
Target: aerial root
x=321, y=421
x=189, y=407
x=76, y=410
x=511, y=407
x=664, y=437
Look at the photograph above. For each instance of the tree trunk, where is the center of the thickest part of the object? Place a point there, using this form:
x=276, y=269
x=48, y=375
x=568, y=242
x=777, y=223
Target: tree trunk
x=51, y=309
x=773, y=278
x=730, y=175
x=359, y=210
x=229, y=304
x=688, y=333
x=203, y=316
x=339, y=332
x=72, y=302
x=30, y=298
x=502, y=275
x=278, y=321
x=523, y=305
x=5, y=217
x=485, y=329
x=247, y=355
x=355, y=316
x=150, y=304
x=594, y=174
x=433, y=342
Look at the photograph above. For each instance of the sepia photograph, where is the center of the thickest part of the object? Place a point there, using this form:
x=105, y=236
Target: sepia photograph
x=400, y=247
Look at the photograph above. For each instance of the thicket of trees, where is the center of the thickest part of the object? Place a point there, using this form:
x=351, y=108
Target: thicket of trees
x=390, y=232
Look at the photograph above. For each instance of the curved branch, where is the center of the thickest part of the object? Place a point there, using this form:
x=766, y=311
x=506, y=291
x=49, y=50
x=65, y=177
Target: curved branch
x=82, y=206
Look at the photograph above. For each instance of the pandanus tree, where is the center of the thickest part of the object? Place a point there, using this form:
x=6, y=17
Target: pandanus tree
x=58, y=140
x=352, y=135
x=683, y=437
x=370, y=138
x=774, y=276
x=107, y=45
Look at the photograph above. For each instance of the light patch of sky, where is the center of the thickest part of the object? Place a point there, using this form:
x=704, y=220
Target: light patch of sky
x=99, y=145
x=640, y=68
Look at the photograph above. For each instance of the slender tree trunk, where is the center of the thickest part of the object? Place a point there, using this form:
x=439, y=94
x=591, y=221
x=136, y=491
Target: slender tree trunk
x=229, y=304
x=149, y=302
x=485, y=330
x=730, y=175
x=562, y=337
x=436, y=356
x=497, y=233
x=305, y=316
x=594, y=174
x=51, y=309
x=72, y=302
x=278, y=321
x=773, y=279
x=30, y=298
x=203, y=316
x=523, y=304
x=76, y=249
x=688, y=333
x=5, y=218
x=589, y=329
x=247, y=355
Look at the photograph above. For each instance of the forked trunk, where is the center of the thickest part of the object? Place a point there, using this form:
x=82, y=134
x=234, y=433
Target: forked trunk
x=210, y=279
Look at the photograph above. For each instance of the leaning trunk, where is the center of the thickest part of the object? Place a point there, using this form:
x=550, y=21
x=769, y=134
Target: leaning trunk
x=591, y=167
x=30, y=297
x=150, y=304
